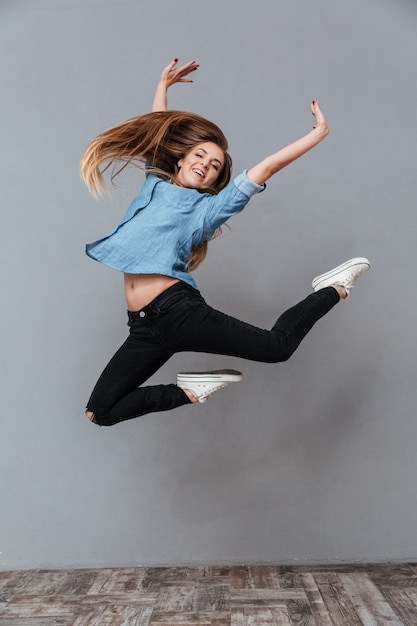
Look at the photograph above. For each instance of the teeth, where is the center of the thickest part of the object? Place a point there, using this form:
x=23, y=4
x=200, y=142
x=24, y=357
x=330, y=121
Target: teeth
x=199, y=172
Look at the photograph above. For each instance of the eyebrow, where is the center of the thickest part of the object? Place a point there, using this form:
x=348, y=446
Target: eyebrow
x=213, y=159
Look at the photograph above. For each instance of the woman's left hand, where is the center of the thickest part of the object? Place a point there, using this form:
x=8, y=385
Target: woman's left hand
x=321, y=122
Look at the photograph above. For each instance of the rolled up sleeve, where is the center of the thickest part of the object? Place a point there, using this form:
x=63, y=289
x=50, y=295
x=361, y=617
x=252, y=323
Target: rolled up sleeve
x=247, y=186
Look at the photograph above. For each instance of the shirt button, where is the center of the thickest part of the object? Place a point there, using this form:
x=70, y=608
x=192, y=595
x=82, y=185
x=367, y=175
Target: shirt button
x=142, y=314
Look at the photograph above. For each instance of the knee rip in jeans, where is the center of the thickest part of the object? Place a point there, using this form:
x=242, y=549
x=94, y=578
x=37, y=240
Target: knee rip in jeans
x=90, y=415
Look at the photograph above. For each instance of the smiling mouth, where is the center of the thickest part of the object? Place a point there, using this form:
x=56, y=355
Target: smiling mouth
x=199, y=173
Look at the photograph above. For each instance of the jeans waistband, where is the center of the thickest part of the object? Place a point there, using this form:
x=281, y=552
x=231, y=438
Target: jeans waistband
x=175, y=289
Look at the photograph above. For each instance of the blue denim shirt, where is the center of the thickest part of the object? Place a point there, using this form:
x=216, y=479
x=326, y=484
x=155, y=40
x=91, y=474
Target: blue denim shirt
x=165, y=222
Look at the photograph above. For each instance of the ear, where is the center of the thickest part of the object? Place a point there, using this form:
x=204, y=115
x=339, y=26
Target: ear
x=179, y=164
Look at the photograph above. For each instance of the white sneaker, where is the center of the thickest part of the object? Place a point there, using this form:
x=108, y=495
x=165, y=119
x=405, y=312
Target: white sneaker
x=344, y=275
x=204, y=384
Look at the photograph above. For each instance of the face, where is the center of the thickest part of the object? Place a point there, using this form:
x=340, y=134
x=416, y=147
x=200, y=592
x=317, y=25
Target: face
x=201, y=167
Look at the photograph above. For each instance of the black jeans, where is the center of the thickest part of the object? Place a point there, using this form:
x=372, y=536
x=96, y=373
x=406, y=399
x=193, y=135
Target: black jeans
x=179, y=320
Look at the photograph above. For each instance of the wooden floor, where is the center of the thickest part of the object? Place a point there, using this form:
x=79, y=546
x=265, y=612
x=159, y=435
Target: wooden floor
x=211, y=596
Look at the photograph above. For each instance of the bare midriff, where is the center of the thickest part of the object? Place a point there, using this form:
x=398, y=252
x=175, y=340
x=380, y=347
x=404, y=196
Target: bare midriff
x=141, y=289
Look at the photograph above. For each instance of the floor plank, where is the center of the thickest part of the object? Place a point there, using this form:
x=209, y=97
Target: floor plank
x=338, y=603
x=318, y=608
x=261, y=617
x=190, y=619
x=371, y=606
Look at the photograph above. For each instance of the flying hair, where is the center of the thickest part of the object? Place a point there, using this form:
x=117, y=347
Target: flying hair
x=155, y=140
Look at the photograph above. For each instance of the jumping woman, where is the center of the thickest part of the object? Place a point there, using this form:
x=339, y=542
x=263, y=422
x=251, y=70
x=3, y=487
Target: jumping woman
x=163, y=237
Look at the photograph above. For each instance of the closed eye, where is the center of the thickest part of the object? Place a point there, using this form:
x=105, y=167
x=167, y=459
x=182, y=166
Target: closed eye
x=200, y=156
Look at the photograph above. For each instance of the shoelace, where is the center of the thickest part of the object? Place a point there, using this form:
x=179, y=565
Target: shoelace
x=209, y=393
x=345, y=283
x=347, y=287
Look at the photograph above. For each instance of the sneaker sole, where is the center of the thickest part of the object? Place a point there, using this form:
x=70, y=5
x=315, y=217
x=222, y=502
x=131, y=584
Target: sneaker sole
x=211, y=377
x=340, y=268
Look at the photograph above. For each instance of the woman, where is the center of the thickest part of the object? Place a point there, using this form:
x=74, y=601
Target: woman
x=186, y=198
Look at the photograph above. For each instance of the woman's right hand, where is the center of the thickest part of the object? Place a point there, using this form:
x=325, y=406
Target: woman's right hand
x=171, y=75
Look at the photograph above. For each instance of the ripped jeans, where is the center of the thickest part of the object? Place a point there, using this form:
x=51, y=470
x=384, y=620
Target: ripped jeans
x=179, y=320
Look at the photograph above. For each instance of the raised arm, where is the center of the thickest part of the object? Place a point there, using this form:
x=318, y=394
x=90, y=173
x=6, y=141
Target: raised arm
x=275, y=162
x=170, y=76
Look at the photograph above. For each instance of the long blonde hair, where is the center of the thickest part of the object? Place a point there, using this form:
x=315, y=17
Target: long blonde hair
x=155, y=140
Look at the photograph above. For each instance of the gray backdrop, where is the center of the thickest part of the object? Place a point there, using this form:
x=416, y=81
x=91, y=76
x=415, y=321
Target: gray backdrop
x=313, y=460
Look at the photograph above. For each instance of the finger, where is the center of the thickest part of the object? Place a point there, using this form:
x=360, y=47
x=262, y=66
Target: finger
x=171, y=65
x=183, y=71
x=316, y=109
x=190, y=64
x=188, y=67
x=181, y=74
